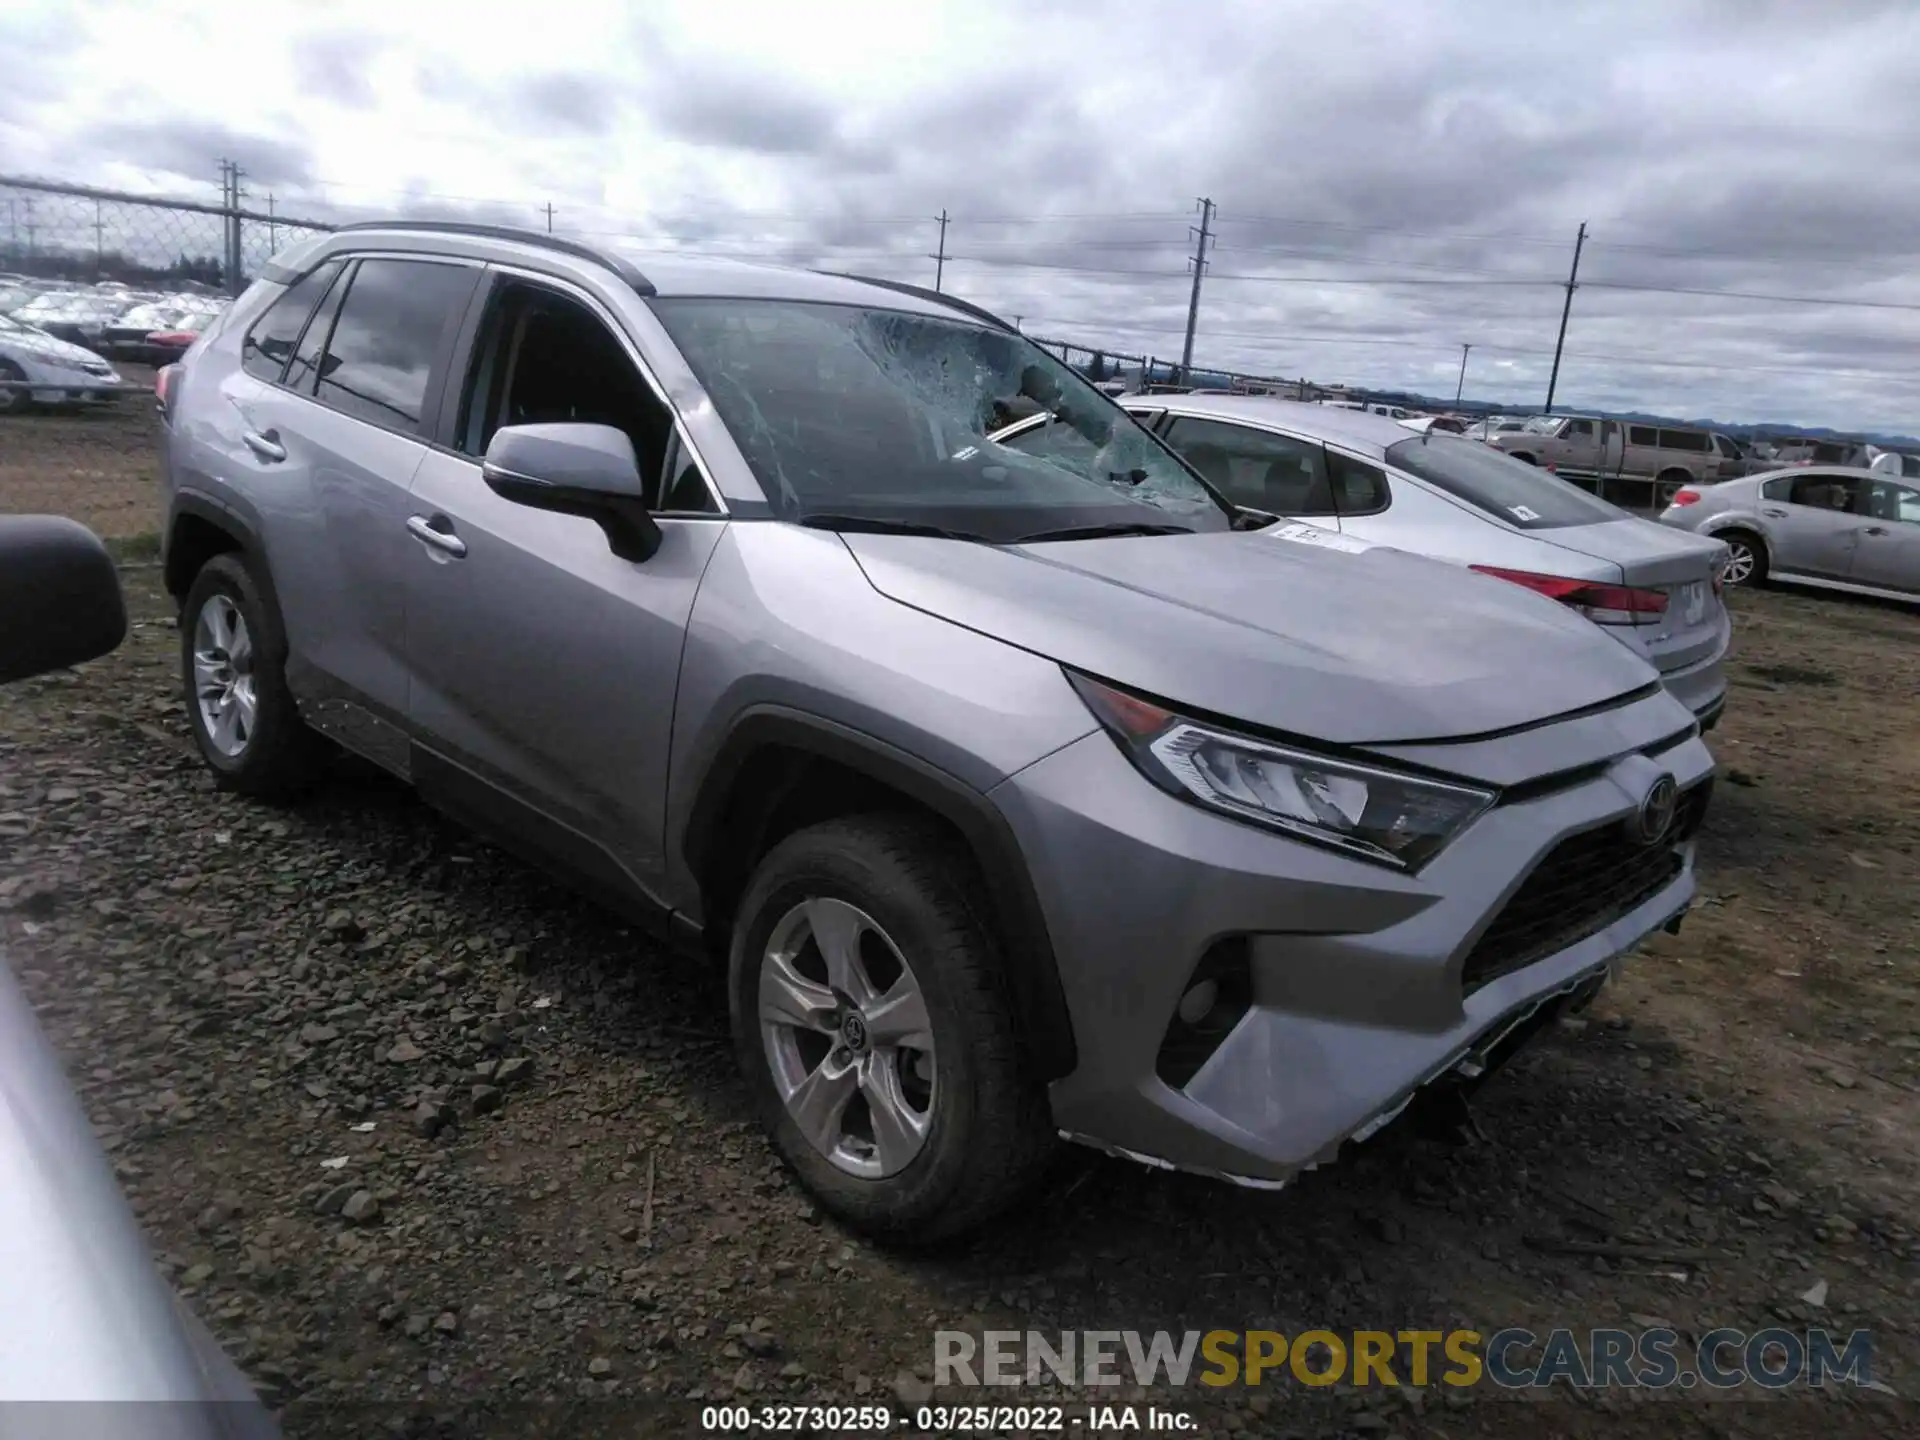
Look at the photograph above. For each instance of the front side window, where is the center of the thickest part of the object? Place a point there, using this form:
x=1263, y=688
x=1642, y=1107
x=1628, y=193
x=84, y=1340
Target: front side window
x=849, y=415
x=393, y=326
x=1822, y=492
x=269, y=344
x=1695, y=440
x=1642, y=435
x=1255, y=468
x=1579, y=429
x=1520, y=494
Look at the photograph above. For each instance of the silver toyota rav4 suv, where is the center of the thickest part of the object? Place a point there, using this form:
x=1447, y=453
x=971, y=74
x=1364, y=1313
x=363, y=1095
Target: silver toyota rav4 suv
x=1021, y=797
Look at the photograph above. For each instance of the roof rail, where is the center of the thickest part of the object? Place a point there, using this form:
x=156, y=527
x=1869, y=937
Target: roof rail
x=920, y=292
x=625, y=269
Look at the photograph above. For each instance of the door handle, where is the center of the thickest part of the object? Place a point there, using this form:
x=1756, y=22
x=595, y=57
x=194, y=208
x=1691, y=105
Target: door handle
x=1774, y=514
x=445, y=541
x=1876, y=530
x=267, y=446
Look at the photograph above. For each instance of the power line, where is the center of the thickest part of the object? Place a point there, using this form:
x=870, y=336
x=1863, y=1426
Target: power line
x=1439, y=347
x=1757, y=295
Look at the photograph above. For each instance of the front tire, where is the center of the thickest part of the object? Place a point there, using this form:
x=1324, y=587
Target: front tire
x=873, y=1033
x=233, y=655
x=1746, y=561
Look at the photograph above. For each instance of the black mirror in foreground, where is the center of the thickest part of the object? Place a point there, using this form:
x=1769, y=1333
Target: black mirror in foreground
x=575, y=469
x=60, y=601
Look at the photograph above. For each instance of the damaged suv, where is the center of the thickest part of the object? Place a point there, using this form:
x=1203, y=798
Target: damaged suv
x=1020, y=795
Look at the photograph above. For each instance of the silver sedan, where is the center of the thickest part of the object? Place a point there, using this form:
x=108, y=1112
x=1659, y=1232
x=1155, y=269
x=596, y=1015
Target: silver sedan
x=1843, y=529
x=1363, y=480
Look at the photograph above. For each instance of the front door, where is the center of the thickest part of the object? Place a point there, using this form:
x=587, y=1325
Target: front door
x=545, y=667
x=1887, y=549
x=1813, y=529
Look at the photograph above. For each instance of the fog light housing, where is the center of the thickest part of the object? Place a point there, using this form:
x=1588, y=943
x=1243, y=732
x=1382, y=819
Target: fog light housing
x=1217, y=995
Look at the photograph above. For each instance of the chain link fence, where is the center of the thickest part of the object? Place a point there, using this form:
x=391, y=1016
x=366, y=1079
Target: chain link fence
x=76, y=233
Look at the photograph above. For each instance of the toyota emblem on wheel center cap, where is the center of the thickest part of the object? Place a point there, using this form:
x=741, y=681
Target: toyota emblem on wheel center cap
x=1656, y=811
x=853, y=1030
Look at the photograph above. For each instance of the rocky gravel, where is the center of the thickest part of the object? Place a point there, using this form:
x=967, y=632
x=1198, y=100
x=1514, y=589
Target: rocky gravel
x=434, y=1146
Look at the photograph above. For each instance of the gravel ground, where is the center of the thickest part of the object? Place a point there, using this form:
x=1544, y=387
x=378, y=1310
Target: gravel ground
x=413, y=1128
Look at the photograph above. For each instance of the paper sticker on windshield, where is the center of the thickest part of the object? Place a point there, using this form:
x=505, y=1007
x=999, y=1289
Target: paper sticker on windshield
x=1523, y=512
x=1325, y=539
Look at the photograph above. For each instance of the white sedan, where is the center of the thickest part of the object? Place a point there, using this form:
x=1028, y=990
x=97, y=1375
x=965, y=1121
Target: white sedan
x=35, y=367
x=1362, y=480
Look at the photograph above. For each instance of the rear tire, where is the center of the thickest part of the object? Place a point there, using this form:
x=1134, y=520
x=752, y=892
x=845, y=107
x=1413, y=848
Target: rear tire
x=233, y=656
x=1747, y=564
x=932, y=1138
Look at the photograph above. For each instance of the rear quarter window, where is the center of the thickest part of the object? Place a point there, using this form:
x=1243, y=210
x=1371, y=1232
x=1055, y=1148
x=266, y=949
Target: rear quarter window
x=1522, y=495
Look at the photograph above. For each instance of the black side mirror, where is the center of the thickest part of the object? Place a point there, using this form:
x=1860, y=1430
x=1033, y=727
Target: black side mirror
x=60, y=601
x=575, y=469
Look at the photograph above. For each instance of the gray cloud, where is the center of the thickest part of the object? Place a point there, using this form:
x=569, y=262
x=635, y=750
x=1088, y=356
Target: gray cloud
x=585, y=104
x=333, y=66
x=1445, y=157
x=192, y=149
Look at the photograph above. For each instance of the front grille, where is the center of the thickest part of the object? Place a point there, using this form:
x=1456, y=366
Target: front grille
x=1584, y=884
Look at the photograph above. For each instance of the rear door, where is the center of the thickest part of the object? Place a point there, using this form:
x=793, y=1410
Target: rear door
x=1887, y=551
x=338, y=438
x=1815, y=526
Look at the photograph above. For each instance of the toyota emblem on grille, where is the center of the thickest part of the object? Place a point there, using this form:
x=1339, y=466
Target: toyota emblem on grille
x=1656, y=811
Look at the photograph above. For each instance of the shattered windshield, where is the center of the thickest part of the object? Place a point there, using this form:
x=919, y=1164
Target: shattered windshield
x=883, y=417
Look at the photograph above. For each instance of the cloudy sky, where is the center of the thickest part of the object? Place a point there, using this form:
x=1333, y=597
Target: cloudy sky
x=1393, y=180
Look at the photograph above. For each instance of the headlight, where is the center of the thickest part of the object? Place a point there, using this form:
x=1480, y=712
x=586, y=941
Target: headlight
x=1382, y=815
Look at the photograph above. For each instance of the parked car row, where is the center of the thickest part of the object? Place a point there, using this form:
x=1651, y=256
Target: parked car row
x=57, y=340
x=917, y=725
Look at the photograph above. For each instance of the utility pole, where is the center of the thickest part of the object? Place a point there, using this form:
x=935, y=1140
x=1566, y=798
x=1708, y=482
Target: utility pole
x=99, y=244
x=1573, y=283
x=273, y=230
x=1199, y=260
x=549, y=217
x=939, y=257
x=1460, y=389
x=27, y=205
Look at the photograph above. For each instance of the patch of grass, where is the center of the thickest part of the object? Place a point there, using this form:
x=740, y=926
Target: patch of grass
x=143, y=548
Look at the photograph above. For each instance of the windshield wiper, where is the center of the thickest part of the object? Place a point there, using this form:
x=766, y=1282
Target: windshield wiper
x=1099, y=532
x=881, y=525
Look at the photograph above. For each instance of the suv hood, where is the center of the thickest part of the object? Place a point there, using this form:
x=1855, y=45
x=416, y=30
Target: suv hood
x=1344, y=646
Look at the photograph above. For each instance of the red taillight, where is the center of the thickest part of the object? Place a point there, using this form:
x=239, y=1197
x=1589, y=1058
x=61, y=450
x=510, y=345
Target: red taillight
x=1601, y=603
x=1685, y=497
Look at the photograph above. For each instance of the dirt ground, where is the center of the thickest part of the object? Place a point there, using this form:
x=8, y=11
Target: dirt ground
x=255, y=1002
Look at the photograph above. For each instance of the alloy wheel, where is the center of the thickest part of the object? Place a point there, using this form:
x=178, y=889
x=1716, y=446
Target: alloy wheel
x=844, y=1023
x=223, y=676
x=1739, y=564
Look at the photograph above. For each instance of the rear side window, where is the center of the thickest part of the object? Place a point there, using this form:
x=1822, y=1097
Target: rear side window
x=1256, y=468
x=1685, y=440
x=1358, y=488
x=393, y=327
x=313, y=341
x=1520, y=494
x=269, y=344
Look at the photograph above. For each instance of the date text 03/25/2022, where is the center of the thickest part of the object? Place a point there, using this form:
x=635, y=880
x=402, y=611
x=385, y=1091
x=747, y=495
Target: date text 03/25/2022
x=946, y=1419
